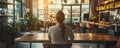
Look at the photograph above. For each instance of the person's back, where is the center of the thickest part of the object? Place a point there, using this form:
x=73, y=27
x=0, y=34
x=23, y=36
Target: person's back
x=60, y=32
x=55, y=34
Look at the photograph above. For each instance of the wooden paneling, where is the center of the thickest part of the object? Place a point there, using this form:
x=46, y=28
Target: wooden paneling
x=30, y=7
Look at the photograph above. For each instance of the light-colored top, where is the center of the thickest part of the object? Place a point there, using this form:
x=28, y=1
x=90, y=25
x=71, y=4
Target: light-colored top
x=54, y=34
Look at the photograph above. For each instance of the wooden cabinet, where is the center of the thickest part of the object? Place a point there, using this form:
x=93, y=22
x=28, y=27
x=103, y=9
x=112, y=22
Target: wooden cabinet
x=3, y=20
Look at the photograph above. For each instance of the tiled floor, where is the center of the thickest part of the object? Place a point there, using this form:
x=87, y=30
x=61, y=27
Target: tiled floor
x=74, y=45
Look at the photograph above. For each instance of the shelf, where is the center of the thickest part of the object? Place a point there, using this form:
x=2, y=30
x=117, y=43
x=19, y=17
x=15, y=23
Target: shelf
x=5, y=16
x=71, y=4
x=4, y=2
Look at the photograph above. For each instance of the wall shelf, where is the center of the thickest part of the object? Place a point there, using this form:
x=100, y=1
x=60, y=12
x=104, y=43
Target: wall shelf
x=5, y=16
x=5, y=2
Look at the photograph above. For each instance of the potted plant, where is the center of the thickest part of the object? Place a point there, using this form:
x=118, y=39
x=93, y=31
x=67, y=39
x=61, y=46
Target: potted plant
x=32, y=23
x=94, y=18
x=65, y=1
x=76, y=1
x=39, y=24
x=9, y=33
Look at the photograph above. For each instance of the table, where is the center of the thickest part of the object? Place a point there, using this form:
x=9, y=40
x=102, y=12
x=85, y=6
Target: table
x=78, y=38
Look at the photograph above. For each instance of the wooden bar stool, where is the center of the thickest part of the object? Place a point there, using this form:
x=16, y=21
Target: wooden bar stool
x=89, y=28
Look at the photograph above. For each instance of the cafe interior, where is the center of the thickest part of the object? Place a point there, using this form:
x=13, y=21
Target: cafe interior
x=25, y=23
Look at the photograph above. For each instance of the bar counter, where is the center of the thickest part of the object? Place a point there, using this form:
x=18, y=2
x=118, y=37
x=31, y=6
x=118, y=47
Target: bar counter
x=99, y=24
x=79, y=37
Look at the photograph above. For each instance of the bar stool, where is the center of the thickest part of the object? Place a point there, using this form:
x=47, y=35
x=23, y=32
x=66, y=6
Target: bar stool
x=89, y=28
x=77, y=27
x=50, y=45
x=82, y=27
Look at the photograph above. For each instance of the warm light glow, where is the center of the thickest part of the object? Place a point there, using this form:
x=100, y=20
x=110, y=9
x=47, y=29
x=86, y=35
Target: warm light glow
x=47, y=7
x=105, y=2
x=50, y=2
x=90, y=36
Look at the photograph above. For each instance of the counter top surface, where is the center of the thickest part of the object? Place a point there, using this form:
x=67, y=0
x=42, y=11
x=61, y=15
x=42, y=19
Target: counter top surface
x=79, y=37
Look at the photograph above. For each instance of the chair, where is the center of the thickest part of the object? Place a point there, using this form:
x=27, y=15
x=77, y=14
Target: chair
x=89, y=28
x=112, y=45
x=77, y=25
x=83, y=27
x=50, y=45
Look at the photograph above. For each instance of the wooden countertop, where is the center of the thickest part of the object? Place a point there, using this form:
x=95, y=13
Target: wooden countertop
x=100, y=24
x=79, y=37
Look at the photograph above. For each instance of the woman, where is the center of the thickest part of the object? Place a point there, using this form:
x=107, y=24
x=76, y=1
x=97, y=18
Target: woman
x=59, y=33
